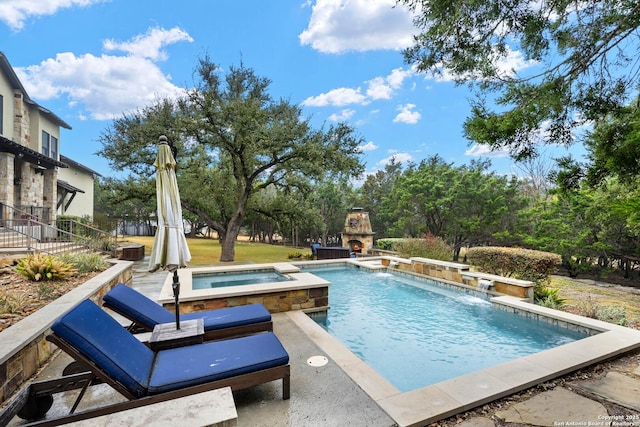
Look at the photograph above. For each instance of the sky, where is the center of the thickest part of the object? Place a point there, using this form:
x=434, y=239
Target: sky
x=91, y=61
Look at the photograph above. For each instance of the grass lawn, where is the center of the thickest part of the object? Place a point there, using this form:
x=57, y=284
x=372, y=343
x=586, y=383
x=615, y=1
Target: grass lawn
x=207, y=251
x=580, y=296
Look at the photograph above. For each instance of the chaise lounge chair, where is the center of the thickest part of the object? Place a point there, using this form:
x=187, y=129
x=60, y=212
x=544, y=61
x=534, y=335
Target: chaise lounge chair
x=221, y=323
x=114, y=356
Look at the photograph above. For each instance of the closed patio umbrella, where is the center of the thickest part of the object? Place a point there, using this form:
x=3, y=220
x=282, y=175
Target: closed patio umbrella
x=170, y=250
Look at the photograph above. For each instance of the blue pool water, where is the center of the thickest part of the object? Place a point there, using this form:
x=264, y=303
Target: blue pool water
x=233, y=278
x=415, y=333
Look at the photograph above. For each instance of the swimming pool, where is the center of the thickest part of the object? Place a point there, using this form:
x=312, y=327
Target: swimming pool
x=415, y=333
x=427, y=404
x=236, y=278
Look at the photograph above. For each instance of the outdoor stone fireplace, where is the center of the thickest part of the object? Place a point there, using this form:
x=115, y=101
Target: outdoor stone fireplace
x=357, y=234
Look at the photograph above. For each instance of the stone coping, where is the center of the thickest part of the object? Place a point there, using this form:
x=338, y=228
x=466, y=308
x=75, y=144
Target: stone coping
x=463, y=393
x=368, y=262
x=447, y=264
x=299, y=280
x=496, y=278
x=16, y=337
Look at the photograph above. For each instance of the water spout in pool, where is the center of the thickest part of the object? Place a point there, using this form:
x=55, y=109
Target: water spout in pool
x=485, y=285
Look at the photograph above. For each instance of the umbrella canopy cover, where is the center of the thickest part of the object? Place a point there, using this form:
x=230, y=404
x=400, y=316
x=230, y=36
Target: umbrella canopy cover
x=170, y=250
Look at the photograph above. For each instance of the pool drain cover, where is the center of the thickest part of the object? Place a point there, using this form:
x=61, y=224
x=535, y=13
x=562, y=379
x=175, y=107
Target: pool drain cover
x=317, y=361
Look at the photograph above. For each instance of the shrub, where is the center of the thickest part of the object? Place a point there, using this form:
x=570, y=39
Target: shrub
x=85, y=262
x=46, y=291
x=587, y=307
x=44, y=267
x=547, y=297
x=524, y=264
x=431, y=247
x=294, y=255
x=105, y=244
x=13, y=302
x=612, y=314
x=388, y=244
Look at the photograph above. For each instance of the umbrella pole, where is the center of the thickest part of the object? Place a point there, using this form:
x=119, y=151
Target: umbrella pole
x=176, y=293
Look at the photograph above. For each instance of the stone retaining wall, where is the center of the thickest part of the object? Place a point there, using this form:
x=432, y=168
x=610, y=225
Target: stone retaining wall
x=275, y=302
x=23, y=347
x=459, y=273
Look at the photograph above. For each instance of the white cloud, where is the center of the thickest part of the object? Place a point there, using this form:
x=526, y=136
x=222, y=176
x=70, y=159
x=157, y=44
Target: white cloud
x=15, y=12
x=106, y=86
x=406, y=114
x=398, y=76
x=344, y=115
x=336, y=97
x=369, y=146
x=150, y=45
x=397, y=157
x=377, y=88
x=482, y=150
x=338, y=26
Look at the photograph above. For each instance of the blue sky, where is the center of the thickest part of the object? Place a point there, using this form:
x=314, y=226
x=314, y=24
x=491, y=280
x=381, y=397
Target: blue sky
x=90, y=61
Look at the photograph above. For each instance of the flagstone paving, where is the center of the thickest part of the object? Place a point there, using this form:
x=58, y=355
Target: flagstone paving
x=554, y=408
x=618, y=388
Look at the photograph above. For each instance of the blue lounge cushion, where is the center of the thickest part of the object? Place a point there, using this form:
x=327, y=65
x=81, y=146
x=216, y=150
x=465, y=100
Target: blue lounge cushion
x=186, y=366
x=123, y=358
x=100, y=338
x=148, y=313
x=230, y=316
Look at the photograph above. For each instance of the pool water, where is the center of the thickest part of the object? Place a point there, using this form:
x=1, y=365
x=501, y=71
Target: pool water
x=415, y=333
x=234, y=278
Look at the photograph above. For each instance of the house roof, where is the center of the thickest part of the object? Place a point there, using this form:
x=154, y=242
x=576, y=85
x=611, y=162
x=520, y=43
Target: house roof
x=8, y=71
x=28, y=155
x=76, y=165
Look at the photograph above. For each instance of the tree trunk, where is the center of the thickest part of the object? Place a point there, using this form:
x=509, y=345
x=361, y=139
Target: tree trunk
x=456, y=254
x=228, y=252
x=228, y=241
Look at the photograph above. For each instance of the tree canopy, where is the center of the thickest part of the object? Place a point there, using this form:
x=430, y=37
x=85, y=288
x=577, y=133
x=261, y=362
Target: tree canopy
x=233, y=141
x=581, y=59
x=466, y=205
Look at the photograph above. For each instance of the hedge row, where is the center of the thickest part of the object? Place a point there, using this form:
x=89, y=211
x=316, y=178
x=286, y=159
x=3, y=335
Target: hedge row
x=388, y=244
x=518, y=263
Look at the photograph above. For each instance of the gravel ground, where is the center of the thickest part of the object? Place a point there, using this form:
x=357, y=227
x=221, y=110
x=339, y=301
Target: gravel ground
x=19, y=297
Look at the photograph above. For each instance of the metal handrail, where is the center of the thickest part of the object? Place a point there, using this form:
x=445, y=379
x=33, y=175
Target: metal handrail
x=21, y=230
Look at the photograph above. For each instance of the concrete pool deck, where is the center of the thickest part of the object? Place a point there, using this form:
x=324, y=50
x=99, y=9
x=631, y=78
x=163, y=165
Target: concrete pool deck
x=447, y=398
x=347, y=392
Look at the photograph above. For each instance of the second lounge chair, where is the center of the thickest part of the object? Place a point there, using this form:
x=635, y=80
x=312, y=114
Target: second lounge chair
x=218, y=324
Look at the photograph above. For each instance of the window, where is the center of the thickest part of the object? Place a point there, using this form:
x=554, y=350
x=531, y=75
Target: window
x=46, y=141
x=1, y=114
x=54, y=148
x=50, y=145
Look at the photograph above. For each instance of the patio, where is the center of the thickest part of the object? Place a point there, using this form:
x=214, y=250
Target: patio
x=320, y=395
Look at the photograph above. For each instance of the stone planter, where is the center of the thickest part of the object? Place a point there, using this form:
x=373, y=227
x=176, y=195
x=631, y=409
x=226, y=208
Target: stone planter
x=23, y=347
